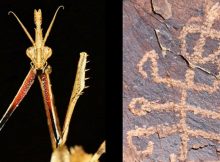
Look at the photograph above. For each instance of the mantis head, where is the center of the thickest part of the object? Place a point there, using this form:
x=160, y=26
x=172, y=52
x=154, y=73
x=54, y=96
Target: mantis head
x=38, y=52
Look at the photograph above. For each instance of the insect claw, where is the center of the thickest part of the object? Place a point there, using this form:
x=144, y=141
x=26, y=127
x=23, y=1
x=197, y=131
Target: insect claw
x=86, y=87
x=87, y=78
x=87, y=61
x=87, y=70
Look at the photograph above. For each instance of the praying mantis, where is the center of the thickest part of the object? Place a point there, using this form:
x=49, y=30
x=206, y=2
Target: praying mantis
x=39, y=54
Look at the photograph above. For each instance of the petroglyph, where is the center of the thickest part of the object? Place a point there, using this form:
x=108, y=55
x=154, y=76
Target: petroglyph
x=196, y=59
x=205, y=32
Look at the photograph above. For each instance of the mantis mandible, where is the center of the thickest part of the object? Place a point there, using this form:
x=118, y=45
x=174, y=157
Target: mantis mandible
x=39, y=54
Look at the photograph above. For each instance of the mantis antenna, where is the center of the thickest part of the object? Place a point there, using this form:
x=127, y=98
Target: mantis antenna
x=26, y=31
x=51, y=24
x=23, y=27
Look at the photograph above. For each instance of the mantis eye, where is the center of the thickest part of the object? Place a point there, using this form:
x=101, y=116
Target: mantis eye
x=30, y=52
x=47, y=51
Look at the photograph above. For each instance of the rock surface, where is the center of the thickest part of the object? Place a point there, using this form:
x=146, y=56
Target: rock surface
x=171, y=95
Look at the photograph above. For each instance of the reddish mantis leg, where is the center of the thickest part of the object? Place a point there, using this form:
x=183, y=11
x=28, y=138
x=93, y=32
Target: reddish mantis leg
x=50, y=108
x=26, y=85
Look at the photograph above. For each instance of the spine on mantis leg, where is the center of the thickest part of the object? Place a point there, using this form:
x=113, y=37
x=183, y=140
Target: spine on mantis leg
x=26, y=85
x=78, y=88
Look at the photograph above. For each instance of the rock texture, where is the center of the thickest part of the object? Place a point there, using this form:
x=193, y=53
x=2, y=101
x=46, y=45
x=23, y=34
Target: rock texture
x=171, y=81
